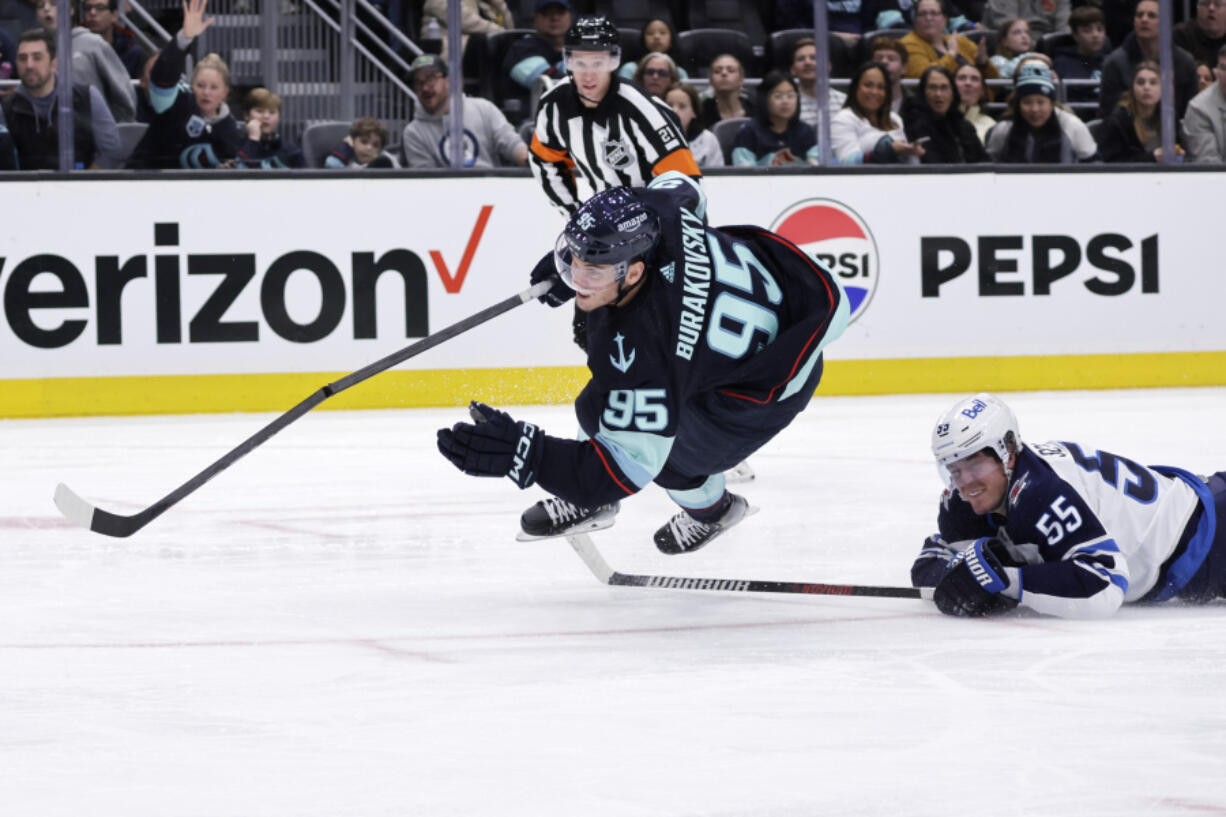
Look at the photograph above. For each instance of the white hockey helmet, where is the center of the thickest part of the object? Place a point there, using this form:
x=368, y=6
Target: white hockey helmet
x=970, y=426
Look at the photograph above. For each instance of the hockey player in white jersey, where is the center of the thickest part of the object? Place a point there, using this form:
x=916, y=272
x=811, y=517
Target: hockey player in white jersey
x=1062, y=528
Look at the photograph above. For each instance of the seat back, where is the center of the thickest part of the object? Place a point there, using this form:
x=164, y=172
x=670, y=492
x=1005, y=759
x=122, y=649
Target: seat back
x=496, y=82
x=635, y=13
x=779, y=46
x=740, y=15
x=1055, y=40
x=725, y=132
x=697, y=47
x=319, y=139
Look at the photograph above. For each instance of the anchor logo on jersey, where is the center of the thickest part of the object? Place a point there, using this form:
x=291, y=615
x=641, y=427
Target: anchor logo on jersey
x=621, y=362
x=617, y=153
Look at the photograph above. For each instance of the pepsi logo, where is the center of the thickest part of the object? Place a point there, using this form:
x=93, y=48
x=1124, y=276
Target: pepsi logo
x=835, y=235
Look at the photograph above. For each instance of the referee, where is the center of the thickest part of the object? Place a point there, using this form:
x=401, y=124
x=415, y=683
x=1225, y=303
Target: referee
x=596, y=126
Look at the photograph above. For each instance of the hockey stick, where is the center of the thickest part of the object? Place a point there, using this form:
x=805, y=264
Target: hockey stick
x=96, y=519
x=606, y=575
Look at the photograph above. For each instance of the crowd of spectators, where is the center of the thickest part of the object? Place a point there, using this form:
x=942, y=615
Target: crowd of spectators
x=930, y=81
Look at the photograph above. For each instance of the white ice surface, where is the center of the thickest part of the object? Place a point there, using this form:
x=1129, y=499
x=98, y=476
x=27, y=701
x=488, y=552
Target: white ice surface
x=341, y=624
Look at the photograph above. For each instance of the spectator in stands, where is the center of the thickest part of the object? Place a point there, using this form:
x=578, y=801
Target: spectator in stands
x=489, y=139
x=536, y=55
x=265, y=146
x=890, y=52
x=973, y=93
x=8, y=55
x=1142, y=44
x=804, y=70
x=144, y=110
x=476, y=17
x=1013, y=44
x=1043, y=16
x=192, y=126
x=658, y=36
x=1204, y=75
x=1205, y=34
x=725, y=97
x=963, y=15
x=933, y=118
x=656, y=74
x=31, y=116
x=102, y=18
x=928, y=44
x=1205, y=125
x=683, y=99
x=776, y=137
x=1035, y=130
x=1133, y=132
x=1083, y=59
x=866, y=130
x=362, y=147
x=95, y=65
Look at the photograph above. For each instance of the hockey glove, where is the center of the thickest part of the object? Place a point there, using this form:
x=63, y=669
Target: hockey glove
x=935, y=559
x=973, y=587
x=494, y=446
x=546, y=270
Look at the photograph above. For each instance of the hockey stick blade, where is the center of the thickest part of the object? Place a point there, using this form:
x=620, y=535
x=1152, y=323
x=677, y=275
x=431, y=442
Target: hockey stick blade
x=82, y=513
x=606, y=575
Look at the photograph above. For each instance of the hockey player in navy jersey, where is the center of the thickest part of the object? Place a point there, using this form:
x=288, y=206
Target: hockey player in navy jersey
x=1062, y=528
x=703, y=344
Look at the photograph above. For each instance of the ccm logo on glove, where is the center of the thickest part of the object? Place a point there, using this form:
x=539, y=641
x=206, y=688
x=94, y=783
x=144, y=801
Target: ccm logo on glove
x=522, y=448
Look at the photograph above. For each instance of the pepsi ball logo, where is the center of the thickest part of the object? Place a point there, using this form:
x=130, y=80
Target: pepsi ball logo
x=836, y=237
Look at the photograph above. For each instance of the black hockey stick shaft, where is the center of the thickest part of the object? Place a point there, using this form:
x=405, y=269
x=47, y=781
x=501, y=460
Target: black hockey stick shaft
x=591, y=557
x=109, y=524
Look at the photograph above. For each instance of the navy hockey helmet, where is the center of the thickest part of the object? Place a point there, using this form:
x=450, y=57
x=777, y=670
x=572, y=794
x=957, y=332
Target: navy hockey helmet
x=970, y=426
x=606, y=235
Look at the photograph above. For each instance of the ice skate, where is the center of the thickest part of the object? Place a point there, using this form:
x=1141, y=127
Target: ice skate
x=685, y=534
x=556, y=517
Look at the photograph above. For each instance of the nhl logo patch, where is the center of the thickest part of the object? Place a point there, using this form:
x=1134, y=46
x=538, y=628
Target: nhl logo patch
x=617, y=153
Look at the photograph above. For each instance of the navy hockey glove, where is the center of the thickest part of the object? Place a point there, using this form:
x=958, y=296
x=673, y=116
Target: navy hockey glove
x=546, y=270
x=494, y=446
x=935, y=559
x=973, y=587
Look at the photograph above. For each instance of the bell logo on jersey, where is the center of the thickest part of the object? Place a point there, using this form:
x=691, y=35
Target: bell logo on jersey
x=836, y=236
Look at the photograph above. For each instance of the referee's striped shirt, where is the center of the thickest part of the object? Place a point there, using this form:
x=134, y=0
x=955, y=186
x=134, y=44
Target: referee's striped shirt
x=625, y=141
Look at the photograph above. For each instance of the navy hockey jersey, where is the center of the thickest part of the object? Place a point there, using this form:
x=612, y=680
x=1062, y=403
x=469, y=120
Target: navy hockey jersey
x=1091, y=529
x=737, y=312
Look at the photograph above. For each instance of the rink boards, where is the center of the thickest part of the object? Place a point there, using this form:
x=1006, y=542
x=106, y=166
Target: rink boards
x=247, y=294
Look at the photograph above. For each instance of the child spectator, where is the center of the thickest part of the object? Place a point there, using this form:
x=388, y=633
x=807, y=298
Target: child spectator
x=1035, y=130
x=726, y=97
x=656, y=74
x=1083, y=59
x=363, y=147
x=1133, y=132
x=1013, y=45
x=658, y=36
x=866, y=130
x=192, y=126
x=776, y=137
x=265, y=146
x=683, y=99
x=934, y=118
x=973, y=92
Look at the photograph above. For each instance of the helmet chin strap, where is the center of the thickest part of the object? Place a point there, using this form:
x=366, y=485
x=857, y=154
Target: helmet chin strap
x=624, y=291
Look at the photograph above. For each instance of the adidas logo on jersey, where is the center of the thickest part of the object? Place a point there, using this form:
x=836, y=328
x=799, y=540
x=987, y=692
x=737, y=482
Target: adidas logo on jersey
x=668, y=271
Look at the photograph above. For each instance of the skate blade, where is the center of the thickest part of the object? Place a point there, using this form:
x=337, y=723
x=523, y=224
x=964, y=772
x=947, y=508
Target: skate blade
x=590, y=526
x=742, y=472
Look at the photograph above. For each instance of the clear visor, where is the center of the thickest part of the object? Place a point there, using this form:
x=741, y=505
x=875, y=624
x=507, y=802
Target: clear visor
x=581, y=276
x=959, y=472
x=591, y=62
